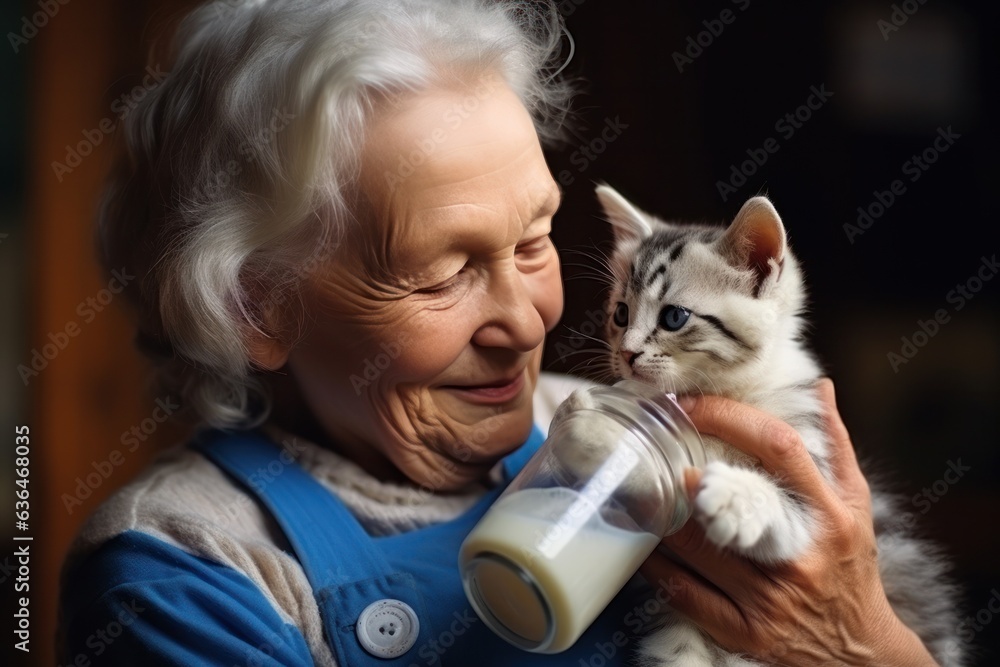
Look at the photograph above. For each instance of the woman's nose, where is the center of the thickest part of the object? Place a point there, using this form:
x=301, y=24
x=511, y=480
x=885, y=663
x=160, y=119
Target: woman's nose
x=511, y=319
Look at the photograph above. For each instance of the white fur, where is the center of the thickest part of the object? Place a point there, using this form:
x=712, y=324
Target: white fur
x=746, y=280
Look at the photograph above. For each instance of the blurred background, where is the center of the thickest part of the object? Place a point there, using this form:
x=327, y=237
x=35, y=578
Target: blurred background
x=868, y=124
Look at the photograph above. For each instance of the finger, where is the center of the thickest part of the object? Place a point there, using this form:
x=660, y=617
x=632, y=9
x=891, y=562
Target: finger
x=777, y=445
x=689, y=593
x=844, y=462
x=692, y=478
x=725, y=569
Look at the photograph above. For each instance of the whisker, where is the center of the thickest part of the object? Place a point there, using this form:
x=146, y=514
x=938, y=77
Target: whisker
x=604, y=264
x=573, y=353
x=714, y=389
x=580, y=334
x=596, y=364
x=599, y=279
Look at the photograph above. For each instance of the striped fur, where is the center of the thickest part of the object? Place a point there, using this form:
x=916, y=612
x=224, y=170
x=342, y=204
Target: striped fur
x=743, y=339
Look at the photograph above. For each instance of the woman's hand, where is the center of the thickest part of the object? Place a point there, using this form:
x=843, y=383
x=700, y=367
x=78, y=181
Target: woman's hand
x=828, y=607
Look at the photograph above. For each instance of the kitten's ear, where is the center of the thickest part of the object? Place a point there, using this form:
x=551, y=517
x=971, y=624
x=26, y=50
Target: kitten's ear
x=756, y=240
x=628, y=222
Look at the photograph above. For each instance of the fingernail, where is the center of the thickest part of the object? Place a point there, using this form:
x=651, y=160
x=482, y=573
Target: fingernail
x=687, y=403
x=692, y=478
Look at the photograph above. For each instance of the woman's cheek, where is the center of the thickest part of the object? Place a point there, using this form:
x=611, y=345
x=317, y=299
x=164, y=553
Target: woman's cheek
x=433, y=341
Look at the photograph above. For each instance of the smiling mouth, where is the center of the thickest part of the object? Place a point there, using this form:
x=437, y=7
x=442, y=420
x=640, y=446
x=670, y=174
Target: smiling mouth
x=498, y=391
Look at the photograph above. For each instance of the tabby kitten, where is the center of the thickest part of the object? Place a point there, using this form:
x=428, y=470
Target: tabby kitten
x=706, y=309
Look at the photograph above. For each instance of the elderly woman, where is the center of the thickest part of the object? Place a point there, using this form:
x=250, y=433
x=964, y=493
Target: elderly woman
x=341, y=213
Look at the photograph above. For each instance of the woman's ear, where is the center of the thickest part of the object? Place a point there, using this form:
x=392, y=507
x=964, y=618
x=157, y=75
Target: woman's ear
x=266, y=333
x=267, y=352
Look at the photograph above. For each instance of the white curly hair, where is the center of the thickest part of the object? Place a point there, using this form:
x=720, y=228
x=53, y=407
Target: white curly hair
x=240, y=168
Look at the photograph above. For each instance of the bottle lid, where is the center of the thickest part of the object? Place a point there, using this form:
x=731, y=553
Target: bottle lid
x=509, y=600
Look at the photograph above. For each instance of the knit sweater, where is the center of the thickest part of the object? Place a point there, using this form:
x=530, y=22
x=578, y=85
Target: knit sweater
x=185, y=501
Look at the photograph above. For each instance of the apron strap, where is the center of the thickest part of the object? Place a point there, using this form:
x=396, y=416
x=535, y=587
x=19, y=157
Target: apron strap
x=315, y=522
x=351, y=577
x=517, y=459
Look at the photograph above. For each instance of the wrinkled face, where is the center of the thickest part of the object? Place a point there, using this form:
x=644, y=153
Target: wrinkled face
x=426, y=330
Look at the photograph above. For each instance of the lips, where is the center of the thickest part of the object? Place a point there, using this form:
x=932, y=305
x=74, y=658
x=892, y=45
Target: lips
x=492, y=392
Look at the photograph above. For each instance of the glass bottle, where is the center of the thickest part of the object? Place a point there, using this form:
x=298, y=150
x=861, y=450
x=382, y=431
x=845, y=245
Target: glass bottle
x=588, y=508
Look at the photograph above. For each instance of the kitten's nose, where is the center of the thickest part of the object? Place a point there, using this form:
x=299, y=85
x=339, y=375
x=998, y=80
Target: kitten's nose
x=629, y=356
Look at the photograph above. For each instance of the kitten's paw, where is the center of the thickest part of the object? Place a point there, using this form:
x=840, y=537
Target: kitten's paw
x=577, y=400
x=736, y=506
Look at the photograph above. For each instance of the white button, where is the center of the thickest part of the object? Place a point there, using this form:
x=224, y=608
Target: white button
x=388, y=628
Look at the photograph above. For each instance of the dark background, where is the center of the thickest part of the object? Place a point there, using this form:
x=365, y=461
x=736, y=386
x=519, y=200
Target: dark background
x=685, y=130
x=680, y=133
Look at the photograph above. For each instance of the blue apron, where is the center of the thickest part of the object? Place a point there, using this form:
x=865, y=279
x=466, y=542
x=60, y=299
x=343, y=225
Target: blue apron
x=349, y=569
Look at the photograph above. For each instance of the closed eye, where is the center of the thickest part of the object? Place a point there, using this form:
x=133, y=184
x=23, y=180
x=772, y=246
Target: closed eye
x=534, y=247
x=534, y=255
x=446, y=286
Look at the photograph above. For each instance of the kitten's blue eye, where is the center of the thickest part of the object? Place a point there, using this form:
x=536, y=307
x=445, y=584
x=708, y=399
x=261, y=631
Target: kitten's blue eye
x=621, y=315
x=673, y=318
